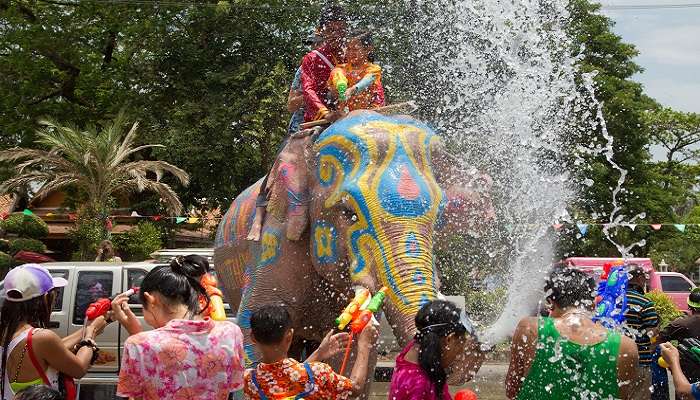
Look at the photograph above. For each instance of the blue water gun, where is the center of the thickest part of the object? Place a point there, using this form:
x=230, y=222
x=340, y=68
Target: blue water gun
x=611, y=302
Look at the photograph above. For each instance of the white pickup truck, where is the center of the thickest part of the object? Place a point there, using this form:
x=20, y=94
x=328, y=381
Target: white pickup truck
x=87, y=282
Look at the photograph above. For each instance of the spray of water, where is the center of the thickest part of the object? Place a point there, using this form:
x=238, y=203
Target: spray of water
x=509, y=94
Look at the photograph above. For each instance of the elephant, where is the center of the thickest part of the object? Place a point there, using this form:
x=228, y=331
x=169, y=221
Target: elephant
x=360, y=203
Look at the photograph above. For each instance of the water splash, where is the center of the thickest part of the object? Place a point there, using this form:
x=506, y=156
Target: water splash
x=509, y=95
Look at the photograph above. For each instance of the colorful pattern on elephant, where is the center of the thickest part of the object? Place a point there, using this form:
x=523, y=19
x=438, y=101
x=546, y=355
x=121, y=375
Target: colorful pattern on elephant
x=380, y=168
x=288, y=378
x=187, y=360
x=236, y=222
x=270, y=244
x=324, y=242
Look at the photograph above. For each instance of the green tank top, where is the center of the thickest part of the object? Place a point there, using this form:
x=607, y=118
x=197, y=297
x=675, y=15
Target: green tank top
x=563, y=370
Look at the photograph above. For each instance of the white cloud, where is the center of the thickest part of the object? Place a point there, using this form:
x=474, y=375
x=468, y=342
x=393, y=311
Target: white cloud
x=672, y=45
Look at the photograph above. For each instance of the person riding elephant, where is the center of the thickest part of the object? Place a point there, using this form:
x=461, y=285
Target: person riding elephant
x=359, y=204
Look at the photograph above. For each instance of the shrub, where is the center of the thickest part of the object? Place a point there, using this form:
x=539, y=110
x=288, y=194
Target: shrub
x=28, y=245
x=86, y=235
x=4, y=245
x=29, y=226
x=139, y=243
x=5, y=264
x=665, y=307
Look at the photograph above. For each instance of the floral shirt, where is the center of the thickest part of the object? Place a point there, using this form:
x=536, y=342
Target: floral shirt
x=187, y=360
x=288, y=378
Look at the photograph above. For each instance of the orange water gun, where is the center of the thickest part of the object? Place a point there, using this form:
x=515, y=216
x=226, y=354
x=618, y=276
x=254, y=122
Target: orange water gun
x=215, y=310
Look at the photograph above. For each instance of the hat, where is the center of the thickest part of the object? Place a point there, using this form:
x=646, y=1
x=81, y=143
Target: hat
x=694, y=298
x=29, y=281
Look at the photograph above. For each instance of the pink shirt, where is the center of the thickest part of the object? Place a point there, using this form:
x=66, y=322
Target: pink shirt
x=409, y=382
x=185, y=360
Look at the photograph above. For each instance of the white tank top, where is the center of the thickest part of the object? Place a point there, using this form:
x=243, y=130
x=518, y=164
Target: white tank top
x=51, y=373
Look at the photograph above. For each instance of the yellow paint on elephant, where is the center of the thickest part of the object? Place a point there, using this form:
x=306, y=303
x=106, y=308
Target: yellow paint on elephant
x=324, y=241
x=270, y=247
x=388, y=161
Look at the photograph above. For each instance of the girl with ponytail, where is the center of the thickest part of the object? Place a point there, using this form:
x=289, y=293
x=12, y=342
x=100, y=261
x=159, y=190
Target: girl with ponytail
x=186, y=355
x=444, y=333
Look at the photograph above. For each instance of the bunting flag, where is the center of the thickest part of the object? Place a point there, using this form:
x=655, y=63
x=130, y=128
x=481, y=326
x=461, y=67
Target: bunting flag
x=680, y=227
x=4, y=216
x=192, y=220
x=557, y=226
x=583, y=228
x=655, y=227
x=509, y=228
x=632, y=226
x=179, y=220
x=27, y=212
x=156, y=218
x=72, y=217
x=135, y=214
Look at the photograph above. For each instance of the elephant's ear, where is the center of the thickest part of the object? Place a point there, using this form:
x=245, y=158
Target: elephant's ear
x=288, y=186
x=467, y=190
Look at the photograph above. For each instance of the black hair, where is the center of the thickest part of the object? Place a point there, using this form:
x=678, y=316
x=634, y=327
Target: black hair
x=695, y=298
x=39, y=392
x=434, y=321
x=365, y=38
x=568, y=287
x=179, y=282
x=270, y=323
x=332, y=13
x=35, y=312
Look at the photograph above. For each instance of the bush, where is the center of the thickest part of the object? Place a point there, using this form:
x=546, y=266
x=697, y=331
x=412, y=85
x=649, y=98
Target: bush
x=665, y=307
x=86, y=236
x=29, y=226
x=139, y=243
x=28, y=245
x=4, y=245
x=5, y=264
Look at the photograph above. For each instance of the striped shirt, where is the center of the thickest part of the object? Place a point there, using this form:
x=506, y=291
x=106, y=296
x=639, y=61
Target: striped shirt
x=640, y=319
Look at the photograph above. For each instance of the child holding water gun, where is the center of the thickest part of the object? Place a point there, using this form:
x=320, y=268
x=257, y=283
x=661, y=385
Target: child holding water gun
x=358, y=82
x=278, y=377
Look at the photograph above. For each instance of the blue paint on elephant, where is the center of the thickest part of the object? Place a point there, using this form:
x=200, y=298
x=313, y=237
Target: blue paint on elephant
x=412, y=246
x=418, y=278
x=402, y=190
x=244, y=319
x=324, y=242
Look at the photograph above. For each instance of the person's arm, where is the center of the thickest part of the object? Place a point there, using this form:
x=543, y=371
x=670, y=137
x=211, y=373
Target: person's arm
x=308, y=87
x=295, y=100
x=72, y=340
x=124, y=315
x=365, y=343
x=49, y=347
x=680, y=382
x=627, y=361
x=522, y=350
x=329, y=347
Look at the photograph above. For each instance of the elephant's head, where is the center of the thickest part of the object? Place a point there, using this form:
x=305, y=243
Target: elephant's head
x=375, y=193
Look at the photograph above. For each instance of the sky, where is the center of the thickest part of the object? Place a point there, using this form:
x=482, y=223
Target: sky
x=669, y=44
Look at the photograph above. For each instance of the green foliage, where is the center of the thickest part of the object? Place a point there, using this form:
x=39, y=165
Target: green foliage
x=27, y=244
x=29, y=226
x=6, y=263
x=4, y=245
x=665, y=307
x=139, y=243
x=86, y=235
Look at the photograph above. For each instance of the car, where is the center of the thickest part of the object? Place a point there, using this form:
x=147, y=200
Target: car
x=676, y=285
x=87, y=282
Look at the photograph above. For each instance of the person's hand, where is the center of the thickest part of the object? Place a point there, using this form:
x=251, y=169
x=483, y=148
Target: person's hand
x=368, y=337
x=123, y=314
x=95, y=327
x=332, y=345
x=670, y=353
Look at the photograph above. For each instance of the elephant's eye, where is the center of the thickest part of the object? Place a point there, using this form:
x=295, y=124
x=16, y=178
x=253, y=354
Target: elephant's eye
x=348, y=213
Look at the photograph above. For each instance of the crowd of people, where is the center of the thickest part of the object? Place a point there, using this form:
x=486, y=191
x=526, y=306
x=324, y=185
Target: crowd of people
x=563, y=355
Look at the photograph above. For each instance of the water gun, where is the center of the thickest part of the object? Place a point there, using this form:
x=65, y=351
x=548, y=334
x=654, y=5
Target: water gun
x=340, y=82
x=688, y=349
x=611, y=302
x=358, y=314
x=465, y=394
x=101, y=306
x=215, y=310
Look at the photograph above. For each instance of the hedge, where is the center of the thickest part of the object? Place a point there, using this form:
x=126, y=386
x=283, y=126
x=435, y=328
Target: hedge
x=27, y=244
x=29, y=226
x=665, y=307
x=5, y=263
x=4, y=245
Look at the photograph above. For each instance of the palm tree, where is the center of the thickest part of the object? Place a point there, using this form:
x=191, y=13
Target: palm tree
x=97, y=162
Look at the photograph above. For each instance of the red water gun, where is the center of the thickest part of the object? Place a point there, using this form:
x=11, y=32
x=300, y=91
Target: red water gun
x=101, y=306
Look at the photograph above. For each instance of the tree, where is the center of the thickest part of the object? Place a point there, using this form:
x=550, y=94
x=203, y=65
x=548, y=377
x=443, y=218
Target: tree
x=678, y=133
x=98, y=162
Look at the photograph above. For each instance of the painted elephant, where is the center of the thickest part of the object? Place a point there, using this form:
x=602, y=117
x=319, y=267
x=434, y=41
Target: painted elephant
x=359, y=204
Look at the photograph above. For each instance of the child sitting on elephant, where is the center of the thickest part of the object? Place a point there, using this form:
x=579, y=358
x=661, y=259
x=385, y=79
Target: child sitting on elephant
x=358, y=82
x=280, y=377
